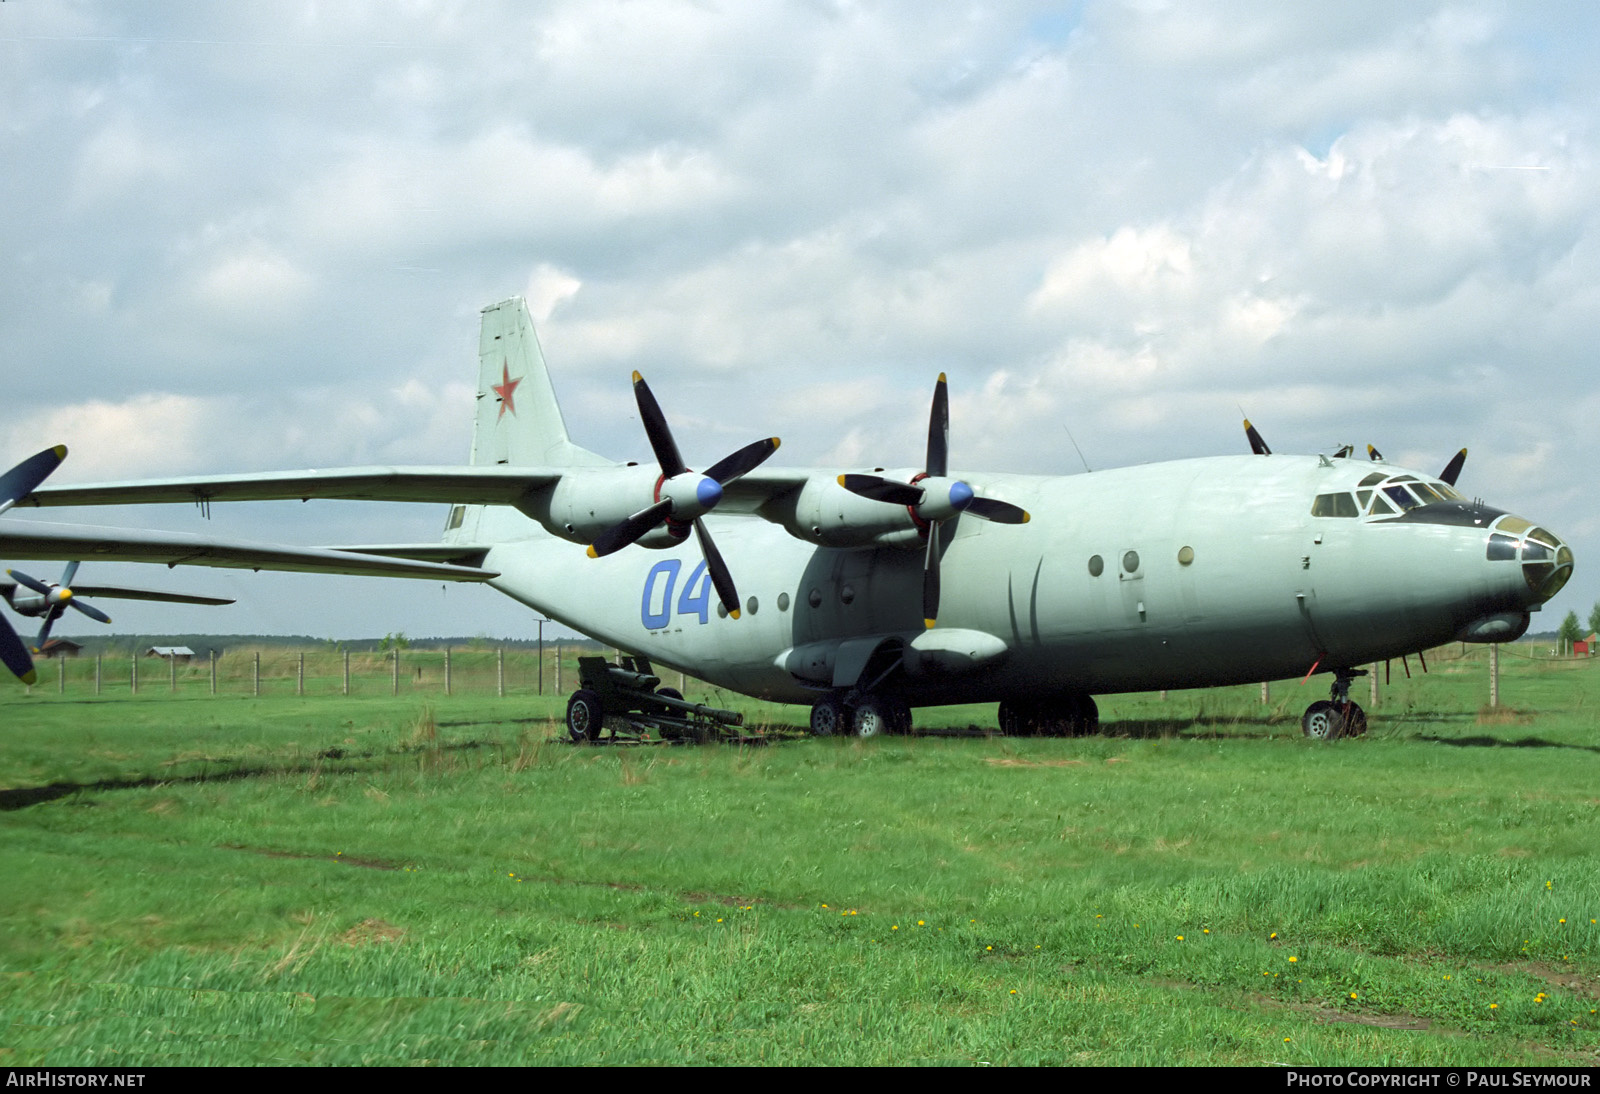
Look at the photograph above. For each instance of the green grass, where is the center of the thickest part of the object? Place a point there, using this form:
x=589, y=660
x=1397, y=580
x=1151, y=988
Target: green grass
x=431, y=878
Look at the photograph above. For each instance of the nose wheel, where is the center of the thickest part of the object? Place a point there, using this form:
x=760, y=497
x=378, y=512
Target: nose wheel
x=1337, y=716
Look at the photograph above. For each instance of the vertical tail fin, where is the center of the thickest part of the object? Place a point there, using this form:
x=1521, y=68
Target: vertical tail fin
x=519, y=421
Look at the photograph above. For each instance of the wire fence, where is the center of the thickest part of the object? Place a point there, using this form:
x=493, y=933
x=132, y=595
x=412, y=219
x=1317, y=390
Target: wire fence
x=276, y=671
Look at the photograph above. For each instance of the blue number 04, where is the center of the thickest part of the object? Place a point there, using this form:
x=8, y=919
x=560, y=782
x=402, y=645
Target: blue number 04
x=694, y=601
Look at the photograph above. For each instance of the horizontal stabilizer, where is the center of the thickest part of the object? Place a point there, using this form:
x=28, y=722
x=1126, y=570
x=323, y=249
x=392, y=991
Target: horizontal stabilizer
x=40, y=540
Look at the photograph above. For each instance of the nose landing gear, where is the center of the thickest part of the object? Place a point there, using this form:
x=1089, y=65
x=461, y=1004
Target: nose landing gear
x=1337, y=716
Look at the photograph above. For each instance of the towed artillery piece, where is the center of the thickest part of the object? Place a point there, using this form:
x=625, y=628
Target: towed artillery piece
x=625, y=702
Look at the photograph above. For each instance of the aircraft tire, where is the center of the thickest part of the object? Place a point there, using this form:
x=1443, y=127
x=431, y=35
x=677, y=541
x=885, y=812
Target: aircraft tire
x=1322, y=721
x=828, y=717
x=1355, y=721
x=585, y=716
x=1019, y=719
x=873, y=717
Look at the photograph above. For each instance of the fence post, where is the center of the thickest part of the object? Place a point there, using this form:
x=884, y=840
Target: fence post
x=133, y=675
x=347, y=672
x=1266, y=693
x=558, y=666
x=1372, y=671
x=97, y=674
x=447, y=670
x=500, y=671
x=255, y=675
x=172, y=673
x=300, y=673
x=213, y=670
x=396, y=666
x=1494, y=674
x=61, y=675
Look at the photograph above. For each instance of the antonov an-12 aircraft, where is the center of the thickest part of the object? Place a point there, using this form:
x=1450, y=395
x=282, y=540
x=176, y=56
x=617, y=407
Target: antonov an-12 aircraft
x=868, y=593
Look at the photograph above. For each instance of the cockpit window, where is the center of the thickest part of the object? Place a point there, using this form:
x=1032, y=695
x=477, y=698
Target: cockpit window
x=1502, y=548
x=1373, y=479
x=1335, y=505
x=1448, y=491
x=1381, y=506
x=1402, y=497
x=1427, y=493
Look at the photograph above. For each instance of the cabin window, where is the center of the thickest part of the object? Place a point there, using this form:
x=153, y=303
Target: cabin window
x=457, y=514
x=1335, y=505
x=1130, y=562
x=751, y=605
x=1097, y=565
x=783, y=602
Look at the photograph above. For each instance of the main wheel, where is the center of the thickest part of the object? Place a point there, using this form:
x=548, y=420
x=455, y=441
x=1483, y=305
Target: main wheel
x=828, y=717
x=1018, y=719
x=1355, y=720
x=873, y=718
x=585, y=716
x=1322, y=721
x=899, y=717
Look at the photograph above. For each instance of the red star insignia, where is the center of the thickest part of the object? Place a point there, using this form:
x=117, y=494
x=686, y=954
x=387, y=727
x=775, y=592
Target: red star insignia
x=506, y=389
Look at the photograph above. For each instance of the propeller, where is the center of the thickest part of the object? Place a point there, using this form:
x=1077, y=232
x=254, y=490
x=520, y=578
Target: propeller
x=934, y=498
x=57, y=598
x=16, y=484
x=683, y=496
x=1257, y=445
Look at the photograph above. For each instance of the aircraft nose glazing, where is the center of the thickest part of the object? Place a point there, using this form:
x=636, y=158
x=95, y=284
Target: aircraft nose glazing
x=1546, y=563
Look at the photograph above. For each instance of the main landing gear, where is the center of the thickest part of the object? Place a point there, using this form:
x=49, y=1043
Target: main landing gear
x=860, y=716
x=1072, y=715
x=1337, y=716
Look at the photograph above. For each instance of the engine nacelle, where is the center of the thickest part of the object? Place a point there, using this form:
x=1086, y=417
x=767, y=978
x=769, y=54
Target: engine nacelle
x=587, y=502
x=826, y=513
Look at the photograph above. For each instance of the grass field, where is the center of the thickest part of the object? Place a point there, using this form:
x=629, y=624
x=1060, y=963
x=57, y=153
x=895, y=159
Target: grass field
x=441, y=879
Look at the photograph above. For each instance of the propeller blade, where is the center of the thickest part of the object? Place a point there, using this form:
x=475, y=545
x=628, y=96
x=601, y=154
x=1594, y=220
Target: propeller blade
x=1257, y=445
x=31, y=582
x=1344, y=451
x=939, y=431
x=747, y=459
x=655, y=427
x=89, y=610
x=1452, y=470
x=50, y=618
x=1374, y=455
x=15, y=655
x=19, y=482
x=1001, y=512
x=620, y=535
x=930, y=580
x=880, y=489
x=721, y=579
x=68, y=574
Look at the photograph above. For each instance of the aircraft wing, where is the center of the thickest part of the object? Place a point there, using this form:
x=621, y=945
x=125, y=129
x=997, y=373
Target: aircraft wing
x=466, y=485
x=123, y=592
x=69, y=542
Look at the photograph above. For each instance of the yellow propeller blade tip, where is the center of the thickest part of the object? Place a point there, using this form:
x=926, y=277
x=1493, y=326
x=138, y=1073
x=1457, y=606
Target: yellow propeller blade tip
x=31, y=677
x=928, y=623
x=592, y=552
x=636, y=376
x=734, y=614
x=61, y=451
x=776, y=443
x=941, y=378
x=1026, y=516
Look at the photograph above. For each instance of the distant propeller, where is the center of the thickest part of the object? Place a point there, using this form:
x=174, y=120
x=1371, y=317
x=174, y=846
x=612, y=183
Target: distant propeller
x=16, y=484
x=683, y=496
x=1452, y=470
x=57, y=598
x=933, y=497
x=1374, y=455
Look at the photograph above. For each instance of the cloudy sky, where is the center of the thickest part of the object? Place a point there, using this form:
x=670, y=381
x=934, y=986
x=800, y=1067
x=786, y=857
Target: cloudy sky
x=249, y=237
